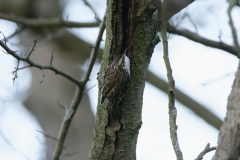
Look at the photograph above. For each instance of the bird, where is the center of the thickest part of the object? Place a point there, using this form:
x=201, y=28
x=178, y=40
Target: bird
x=114, y=81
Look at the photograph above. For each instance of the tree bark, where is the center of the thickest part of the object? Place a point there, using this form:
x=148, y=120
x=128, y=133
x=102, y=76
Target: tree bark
x=129, y=24
x=229, y=136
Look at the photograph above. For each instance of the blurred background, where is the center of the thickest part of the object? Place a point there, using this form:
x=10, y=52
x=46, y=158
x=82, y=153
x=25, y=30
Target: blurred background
x=203, y=77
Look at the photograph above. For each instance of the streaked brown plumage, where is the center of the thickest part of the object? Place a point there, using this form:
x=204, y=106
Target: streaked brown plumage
x=115, y=80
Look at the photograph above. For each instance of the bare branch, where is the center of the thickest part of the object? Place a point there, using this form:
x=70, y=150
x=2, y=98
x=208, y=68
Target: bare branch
x=195, y=37
x=78, y=96
x=205, y=151
x=17, y=69
x=40, y=66
x=43, y=76
x=34, y=44
x=51, y=58
x=47, y=22
x=46, y=135
x=63, y=107
x=171, y=90
x=232, y=3
x=15, y=72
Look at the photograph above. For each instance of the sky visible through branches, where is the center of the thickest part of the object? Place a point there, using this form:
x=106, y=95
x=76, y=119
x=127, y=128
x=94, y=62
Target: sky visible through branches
x=202, y=72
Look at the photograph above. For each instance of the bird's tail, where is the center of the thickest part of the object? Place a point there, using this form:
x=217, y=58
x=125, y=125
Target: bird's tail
x=113, y=111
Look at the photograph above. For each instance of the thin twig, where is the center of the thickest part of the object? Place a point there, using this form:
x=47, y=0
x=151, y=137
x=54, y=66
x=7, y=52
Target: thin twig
x=51, y=60
x=43, y=76
x=90, y=6
x=190, y=19
x=171, y=89
x=232, y=3
x=89, y=88
x=205, y=151
x=65, y=108
x=68, y=155
x=32, y=49
x=46, y=135
x=17, y=69
x=77, y=97
x=94, y=52
x=47, y=22
x=21, y=68
x=61, y=106
x=15, y=73
x=40, y=66
x=4, y=38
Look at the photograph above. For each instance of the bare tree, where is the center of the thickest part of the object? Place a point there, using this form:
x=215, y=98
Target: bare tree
x=132, y=25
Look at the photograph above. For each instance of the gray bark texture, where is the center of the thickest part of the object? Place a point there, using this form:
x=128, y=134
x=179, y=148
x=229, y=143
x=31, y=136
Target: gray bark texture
x=129, y=24
x=229, y=136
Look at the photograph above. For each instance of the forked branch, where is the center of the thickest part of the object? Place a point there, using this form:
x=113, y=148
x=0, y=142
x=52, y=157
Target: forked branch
x=205, y=151
x=47, y=22
x=80, y=85
x=40, y=66
x=78, y=96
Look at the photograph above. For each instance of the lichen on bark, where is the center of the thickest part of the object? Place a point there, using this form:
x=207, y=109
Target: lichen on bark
x=129, y=24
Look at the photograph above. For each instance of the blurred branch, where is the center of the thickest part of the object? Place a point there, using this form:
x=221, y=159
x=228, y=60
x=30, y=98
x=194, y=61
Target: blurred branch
x=19, y=30
x=78, y=96
x=195, y=37
x=171, y=90
x=47, y=22
x=58, y=22
x=46, y=135
x=205, y=151
x=172, y=7
x=232, y=3
x=68, y=155
x=40, y=66
x=190, y=103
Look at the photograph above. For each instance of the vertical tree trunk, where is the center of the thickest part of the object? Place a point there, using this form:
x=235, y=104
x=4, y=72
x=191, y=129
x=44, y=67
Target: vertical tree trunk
x=129, y=24
x=229, y=136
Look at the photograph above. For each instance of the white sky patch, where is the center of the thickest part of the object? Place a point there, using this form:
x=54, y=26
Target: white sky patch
x=19, y=139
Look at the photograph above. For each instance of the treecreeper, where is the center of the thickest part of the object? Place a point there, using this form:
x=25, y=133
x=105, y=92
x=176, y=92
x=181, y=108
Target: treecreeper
x=114, y=83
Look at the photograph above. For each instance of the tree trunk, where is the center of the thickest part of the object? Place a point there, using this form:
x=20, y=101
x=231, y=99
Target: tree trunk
x=129, y=24
x=229, y=136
